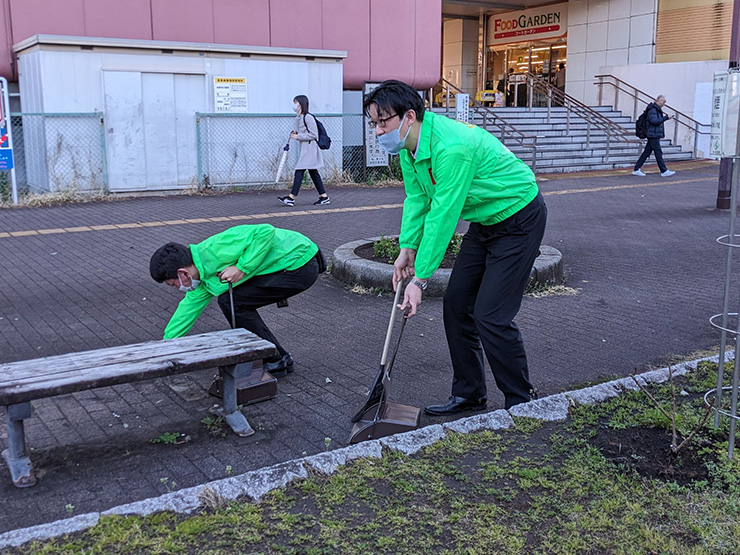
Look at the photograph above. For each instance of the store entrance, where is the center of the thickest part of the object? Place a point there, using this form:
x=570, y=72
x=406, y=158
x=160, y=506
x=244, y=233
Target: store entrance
x=507, y=67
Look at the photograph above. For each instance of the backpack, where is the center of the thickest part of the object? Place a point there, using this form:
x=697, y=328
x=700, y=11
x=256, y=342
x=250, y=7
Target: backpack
x=641, y=125
x=323, y=141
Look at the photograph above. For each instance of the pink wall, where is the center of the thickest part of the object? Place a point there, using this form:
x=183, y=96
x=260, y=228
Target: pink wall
x=384, y=39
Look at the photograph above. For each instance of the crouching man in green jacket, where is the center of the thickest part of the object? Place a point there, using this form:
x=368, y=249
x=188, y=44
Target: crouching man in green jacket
x=265, y=265
x=452, y=170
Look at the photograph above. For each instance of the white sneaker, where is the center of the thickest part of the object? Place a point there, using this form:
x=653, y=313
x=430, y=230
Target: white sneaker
x=638, y=172
x=667, y=173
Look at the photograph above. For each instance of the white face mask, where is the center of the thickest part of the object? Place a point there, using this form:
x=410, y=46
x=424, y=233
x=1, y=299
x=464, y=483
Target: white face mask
x=392, y=141
x=193, y=284
x=297, y=108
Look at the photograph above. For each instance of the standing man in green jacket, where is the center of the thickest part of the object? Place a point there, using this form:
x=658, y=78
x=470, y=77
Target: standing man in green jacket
x=452, y=170
x=265, y=264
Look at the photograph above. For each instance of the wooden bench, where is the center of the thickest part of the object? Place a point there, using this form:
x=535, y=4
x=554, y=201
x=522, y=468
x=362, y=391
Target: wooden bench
x=25, y=381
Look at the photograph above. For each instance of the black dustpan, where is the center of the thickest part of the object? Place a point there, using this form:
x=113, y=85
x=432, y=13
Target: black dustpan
x=379, y=417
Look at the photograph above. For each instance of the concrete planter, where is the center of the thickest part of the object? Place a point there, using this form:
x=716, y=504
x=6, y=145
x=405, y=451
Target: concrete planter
x=353, y=269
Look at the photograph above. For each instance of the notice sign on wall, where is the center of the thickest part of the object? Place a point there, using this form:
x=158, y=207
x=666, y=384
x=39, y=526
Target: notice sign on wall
x=230, y=94
x=547, y=22
x=375, y=155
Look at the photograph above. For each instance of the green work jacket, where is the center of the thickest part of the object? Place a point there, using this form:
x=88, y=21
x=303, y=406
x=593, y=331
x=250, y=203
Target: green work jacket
x=254, y=249
x=460, y=171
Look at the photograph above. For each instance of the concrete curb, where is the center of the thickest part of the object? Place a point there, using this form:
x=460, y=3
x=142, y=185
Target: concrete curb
x=350, y=268
x=257, y=483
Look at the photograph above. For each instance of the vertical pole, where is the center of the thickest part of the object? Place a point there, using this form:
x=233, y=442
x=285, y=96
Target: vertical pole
x=616, y=97
x=106, y=188
x=675, y=129
x=198, y=151
x=725, y=167
x=726, y=298
x=600, y=85
x=634, y=107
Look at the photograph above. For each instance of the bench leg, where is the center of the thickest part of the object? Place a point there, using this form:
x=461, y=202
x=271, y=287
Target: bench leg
x=230, y=411
x=16, y=457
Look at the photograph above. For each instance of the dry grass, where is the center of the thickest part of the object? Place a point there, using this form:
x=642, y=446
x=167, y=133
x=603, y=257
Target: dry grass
x=553, y=291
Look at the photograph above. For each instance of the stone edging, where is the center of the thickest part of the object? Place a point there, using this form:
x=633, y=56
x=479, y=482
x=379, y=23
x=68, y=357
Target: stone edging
x=350, y=268
x=257, y=483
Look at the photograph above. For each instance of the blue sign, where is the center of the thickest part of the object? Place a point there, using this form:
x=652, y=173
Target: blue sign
x=4, y=138
x=6, y=158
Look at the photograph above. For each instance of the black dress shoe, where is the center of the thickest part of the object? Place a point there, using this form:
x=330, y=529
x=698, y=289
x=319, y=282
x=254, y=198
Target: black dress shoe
x=280, y=367
x=455, y=405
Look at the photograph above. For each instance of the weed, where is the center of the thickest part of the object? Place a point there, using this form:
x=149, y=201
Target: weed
x=214, y=425
x=168, y=438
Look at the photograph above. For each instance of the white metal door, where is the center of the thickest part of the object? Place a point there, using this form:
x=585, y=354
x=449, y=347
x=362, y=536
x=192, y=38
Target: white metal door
x=124, y=130
x=150, y=124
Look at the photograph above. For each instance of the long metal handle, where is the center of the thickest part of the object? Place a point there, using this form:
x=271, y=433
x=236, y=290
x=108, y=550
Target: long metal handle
x=231, y=300
x=387, y=344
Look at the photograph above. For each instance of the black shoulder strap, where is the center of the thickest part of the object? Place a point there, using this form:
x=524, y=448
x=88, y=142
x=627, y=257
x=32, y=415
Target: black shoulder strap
x=314, y=118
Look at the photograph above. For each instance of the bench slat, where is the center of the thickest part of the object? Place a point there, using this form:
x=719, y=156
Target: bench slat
x=28, y=380
x=124, y=353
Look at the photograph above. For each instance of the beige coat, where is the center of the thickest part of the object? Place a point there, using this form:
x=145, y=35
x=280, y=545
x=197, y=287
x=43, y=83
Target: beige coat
x=310, y=157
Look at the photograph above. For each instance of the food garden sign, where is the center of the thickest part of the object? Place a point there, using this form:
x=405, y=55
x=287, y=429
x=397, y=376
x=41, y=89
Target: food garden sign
x=546, y=22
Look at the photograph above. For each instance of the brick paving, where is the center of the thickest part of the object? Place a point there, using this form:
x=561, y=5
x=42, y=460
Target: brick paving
x=641, y=253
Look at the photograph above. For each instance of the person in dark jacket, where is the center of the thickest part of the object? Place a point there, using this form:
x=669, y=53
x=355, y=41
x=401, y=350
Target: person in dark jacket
x=655, y=133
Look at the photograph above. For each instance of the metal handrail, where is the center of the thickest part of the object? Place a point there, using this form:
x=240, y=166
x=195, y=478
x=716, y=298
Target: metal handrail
x=526, y=141
x=573, y=106
x=633, y=92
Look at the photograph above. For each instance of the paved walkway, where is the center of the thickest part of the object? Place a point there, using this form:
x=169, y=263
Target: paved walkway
x=640, y=251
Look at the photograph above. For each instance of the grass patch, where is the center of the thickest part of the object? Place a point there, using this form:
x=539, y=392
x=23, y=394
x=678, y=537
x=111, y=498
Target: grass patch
x=596, y=483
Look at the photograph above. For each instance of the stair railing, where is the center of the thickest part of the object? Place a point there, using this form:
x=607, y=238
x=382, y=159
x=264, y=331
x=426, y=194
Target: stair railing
x=575, y=108
x=491, y=119
x=640, y=99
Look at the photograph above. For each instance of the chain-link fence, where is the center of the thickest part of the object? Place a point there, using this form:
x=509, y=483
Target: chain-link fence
x=56, y=152
x=66, y=153
x=245, y=150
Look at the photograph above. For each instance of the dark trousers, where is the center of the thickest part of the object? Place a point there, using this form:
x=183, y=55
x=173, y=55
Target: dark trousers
x=484, y=295
x=315, y=177
x=263, y=290
x=652, y=146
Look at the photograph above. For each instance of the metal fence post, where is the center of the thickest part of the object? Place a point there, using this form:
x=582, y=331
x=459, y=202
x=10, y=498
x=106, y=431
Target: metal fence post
x=534, y=154
x=199, y=154
x=600, y=86
x=104, y=157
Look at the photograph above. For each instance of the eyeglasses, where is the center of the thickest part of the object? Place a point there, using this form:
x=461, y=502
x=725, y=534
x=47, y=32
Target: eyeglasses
x=381, y=122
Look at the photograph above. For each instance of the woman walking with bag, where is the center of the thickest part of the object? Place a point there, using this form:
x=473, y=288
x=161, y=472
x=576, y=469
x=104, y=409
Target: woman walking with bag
x=307, y=133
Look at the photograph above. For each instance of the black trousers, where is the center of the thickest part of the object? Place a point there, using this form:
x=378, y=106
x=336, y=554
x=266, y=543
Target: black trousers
x=263, y=290
x=315, y=177
x=484, y=295
x=652, y=146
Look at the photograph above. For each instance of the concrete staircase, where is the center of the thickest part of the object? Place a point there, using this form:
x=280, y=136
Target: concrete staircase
x=560, y=151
